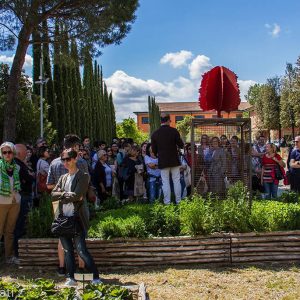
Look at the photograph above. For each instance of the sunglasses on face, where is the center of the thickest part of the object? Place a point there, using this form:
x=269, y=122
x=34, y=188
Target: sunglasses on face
x=6, y=152
x=64, y=159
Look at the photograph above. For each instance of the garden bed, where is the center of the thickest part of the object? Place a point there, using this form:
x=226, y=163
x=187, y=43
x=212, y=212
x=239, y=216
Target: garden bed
x=217, y=249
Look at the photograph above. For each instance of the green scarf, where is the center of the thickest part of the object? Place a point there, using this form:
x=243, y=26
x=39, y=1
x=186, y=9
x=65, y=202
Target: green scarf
x=5, y=189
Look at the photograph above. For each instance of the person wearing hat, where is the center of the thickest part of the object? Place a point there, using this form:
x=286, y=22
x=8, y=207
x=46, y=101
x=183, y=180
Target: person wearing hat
x=295, y=166
x=9, y=198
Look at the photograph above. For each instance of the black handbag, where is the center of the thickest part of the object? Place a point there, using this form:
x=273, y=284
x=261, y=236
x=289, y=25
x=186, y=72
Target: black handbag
x=63, y=226
x=278, y=173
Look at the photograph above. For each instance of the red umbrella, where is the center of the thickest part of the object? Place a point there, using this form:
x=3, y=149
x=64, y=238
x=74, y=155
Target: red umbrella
x=219, y=90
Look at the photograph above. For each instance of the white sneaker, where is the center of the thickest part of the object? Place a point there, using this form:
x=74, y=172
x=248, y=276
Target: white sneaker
x=70, y=283
x=96, y=281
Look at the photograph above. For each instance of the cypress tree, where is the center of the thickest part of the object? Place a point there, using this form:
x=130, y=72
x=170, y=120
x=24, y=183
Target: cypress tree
x=57, y=82
x=76, y=88
x=65, y=63
x=154, y=114
x=49, y=89
x=113, y=116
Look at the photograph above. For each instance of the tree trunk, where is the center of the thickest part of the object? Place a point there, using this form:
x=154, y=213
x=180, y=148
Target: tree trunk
x=10, y=109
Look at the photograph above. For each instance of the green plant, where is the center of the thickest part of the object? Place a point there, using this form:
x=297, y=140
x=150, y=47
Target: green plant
x=289, y=197
x=194, y=216
x=274, y=216
x=39, y=219
x=111, y=203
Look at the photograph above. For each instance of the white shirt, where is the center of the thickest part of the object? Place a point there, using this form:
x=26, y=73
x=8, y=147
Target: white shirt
x=68, y=209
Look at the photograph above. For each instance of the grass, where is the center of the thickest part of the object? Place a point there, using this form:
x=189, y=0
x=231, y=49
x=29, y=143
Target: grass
x=198, y=282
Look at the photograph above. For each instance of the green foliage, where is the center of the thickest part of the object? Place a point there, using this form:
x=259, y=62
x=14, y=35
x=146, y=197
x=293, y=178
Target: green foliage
x=274, y=216
x=164, y=220
x=39, y=219
x=184, y=127
x=195, y=216
x=154, y=114
x=128, y=128
x=45, y=289
x=289, y=197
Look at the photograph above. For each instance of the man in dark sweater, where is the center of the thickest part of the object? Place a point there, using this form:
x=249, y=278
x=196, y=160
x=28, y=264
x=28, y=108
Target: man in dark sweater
x=26, y=179
x=165, y=142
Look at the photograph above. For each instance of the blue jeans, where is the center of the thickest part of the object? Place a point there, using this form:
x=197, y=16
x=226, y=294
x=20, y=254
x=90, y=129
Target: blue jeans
x=25, y=207
x=82, y=251
x=154, y=189
x=270, y=189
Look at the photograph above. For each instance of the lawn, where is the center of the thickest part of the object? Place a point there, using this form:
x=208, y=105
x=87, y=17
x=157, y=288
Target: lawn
x=197, y=282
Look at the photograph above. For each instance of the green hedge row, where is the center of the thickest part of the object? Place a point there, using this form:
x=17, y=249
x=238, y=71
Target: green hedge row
x=197, y=216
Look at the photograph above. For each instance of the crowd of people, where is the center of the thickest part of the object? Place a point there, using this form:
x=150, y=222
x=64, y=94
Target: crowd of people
x=80, y=172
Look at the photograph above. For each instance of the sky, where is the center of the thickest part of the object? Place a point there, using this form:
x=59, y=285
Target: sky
x=172, y=43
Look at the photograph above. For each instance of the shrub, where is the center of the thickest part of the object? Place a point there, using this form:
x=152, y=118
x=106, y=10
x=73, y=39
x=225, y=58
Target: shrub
x=231, y=215
x=195, y=216
x=134, y=227
x=274, y=216
x=163, y=220
x=289, y=197
x=39, y=219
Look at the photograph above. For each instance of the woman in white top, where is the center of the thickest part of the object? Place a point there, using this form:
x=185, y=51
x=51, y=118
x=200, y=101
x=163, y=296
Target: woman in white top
x=71, y=191
x=9, y=198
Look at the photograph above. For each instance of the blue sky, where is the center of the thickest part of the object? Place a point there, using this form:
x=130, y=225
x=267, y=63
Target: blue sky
x=173, y=42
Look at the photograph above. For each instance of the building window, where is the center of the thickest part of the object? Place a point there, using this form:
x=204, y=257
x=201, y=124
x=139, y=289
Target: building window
x=199, y=117
x=178, y=118
x=145, y=120
x=239, y=116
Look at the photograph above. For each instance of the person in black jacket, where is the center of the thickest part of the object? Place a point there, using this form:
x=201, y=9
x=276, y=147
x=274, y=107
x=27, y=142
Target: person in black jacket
x=165, y=142
x=103, y=176
x=26, y=179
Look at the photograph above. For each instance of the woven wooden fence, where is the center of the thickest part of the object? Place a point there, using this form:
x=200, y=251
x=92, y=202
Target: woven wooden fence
x=219, y=248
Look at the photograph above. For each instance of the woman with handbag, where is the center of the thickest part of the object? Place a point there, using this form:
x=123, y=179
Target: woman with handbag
x=272, y=171
x=71, y=221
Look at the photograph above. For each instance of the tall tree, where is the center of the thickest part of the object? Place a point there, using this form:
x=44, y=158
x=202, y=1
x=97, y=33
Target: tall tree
x=287, y=114
x=154, y=114
x=93, y=22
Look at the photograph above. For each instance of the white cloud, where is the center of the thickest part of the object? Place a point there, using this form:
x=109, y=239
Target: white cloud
x=198, y=66
x=274, y=29
x=244, y=86
x=9, y=59
x=176, y=59
x=131, y=93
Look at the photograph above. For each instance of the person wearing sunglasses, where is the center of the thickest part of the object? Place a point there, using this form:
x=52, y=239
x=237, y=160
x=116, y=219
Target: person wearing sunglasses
x=295, y=166
x=10, y=198
x=71, y=191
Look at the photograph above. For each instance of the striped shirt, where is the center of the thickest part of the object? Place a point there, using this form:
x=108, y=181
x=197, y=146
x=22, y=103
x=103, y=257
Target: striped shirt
x=269, y=168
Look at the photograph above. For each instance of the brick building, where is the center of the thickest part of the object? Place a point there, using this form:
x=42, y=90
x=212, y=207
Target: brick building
x=178, y=110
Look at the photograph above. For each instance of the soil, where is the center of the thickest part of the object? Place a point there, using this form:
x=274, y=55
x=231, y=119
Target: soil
x=265, y=281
